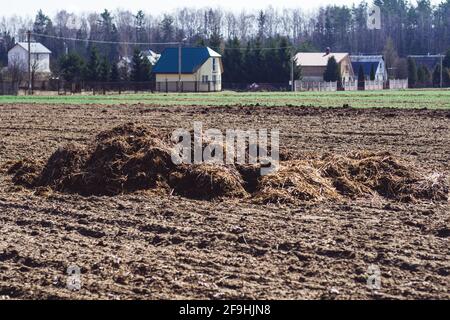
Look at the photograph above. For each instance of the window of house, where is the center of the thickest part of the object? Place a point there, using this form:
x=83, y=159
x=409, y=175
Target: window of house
x=214, y=78
x=205, y=79
x=214, y=64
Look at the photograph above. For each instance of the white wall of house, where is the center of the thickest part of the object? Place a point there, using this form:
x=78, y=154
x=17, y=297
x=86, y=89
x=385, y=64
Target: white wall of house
x=207, y=78
x=381, y=73
x=18, y=57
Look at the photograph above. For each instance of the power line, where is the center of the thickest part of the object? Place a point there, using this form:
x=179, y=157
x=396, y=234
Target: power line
x=103, y=41
x=149, y=43
x=253, y=48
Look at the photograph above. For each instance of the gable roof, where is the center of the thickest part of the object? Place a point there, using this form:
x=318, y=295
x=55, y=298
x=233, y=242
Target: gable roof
x=152, y=56
x=35, y=47
x=191, y=59
x=366, y=62
x=366, y=58
x=366, y=65
x=318, y=59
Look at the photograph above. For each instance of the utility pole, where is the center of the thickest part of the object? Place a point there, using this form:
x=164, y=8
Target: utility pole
x=29, y=62
x=292, y=71
x=179, y=66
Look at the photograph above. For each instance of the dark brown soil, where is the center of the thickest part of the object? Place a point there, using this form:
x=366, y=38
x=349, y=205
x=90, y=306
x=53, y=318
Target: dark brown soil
x=151, y=245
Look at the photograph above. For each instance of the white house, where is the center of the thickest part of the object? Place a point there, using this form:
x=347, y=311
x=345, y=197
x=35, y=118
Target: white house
x=201, y=70
x=368, y=64
x=40, y=57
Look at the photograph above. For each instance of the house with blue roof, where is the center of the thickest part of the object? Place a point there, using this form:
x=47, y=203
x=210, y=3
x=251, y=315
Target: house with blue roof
x=201, y=70
x=369, y=63
x=429, y=61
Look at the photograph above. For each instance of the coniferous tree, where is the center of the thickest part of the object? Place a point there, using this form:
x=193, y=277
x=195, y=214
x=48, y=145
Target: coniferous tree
x=140, y=67
x=146, y=69
x=43, y=25
x=331, y=71
x=412, y=73
x=93, y=65
x=426, y=75
x=139, y=25
x=104, y=70
x=232, y=61
x=115, y=75
x=372, y=72
x=390, y=57
x=136, y=66
x=361, y=78
x=71, y=67
x=437, y=76
x=420, y=77
x=446, y=60
x=284, y=60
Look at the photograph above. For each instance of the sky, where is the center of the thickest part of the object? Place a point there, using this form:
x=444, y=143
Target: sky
x=30, y=7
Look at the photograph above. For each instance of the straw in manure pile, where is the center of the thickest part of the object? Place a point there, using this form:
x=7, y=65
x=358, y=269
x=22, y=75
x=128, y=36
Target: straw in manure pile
x=207, y=181
x=295, y=181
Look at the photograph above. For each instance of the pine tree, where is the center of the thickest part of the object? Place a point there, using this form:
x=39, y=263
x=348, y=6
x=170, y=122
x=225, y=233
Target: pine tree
x=146, y=69
x=361, y=78
x=139, y=24
x=420, y=77
x=446, y=60
x=44, y=25
x=115, y=76
x=215, y=41
x=167, y=28
x=423, y=76
x=437, y=75
x=332, y=70
x=247, y=67
x=426, y=75
x=445, y=77
x=412, y=73
x=136, y=66
x=232, y=61
x=284, y=59
x=71, y=67
x=104, y=70
x=257, y=60
x=140, y=67
x=93, y=66
x=372, y=72
x=390, y=56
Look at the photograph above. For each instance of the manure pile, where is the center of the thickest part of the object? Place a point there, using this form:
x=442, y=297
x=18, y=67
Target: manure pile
x=131, y=157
